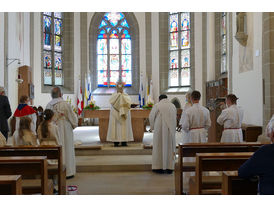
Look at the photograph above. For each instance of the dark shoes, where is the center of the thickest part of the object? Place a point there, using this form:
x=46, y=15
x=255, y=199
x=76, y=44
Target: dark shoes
x=123, y=144
x=70, y=177
x=160, y=171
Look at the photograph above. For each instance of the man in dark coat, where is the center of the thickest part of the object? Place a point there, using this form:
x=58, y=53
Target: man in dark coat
x=5, y=113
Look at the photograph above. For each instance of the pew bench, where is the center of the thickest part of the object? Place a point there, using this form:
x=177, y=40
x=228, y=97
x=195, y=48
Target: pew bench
x=28, y=166
x=51, y=152
x=232, y=184
x=206, y=162
x=191, y=149
x=10, y=185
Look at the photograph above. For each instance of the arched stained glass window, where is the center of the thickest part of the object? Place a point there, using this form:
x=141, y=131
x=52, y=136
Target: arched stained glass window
x=223, y=43
x=114, y=51
x=52, y=48
x=179, y=49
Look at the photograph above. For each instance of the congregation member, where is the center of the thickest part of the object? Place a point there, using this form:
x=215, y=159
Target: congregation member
x=40, y=113
x=24, y=110
x=195, y=121
x=24, y=135
x=5, y=113
x=231, y=118
x=48, y=133
x=66, y=120
x=261, y=164
x=119, y=127
x=162, y=120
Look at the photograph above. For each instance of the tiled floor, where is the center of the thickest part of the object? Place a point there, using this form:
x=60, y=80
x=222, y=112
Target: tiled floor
x=123, y=183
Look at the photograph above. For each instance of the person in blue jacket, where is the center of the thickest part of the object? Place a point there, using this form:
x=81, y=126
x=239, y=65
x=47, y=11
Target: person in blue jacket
x=261, y=164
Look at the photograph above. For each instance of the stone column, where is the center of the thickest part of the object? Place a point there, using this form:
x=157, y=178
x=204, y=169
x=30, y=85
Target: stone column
x=268, y=65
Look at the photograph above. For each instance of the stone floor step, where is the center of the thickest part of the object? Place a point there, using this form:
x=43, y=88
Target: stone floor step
x=113, y=163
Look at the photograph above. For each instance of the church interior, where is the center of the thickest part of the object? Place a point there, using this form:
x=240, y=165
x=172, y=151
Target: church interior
x=151, y=53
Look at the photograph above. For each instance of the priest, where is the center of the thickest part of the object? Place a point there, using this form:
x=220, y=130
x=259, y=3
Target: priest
x=162, y=120
x=119, y=127
x=66, y=120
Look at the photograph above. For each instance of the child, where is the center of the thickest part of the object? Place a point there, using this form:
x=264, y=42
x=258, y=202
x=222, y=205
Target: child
x=48, y=133
x=24, y=135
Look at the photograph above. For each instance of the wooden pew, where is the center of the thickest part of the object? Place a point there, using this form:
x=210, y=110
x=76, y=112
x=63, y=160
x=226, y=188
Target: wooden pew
x=217, y=162
x=234, y=185
x=51, y=152
x=190, y=150
x=30, y=165
x=10, y=185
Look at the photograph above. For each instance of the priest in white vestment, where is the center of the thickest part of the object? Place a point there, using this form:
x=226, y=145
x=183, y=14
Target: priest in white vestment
x=66, y=120
x=231, y=118
x=196, y=121
x=119, y=127
x=162, y=120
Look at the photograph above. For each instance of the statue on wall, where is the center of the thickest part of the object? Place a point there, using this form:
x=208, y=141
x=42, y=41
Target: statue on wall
x=241, y=34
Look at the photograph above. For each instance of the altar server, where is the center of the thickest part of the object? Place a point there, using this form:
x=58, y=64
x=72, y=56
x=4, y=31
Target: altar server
x=196, y=121
x=66, y=120
x=188, y=104
x=24, y=110
x=119, y=127
x=231, y=118
x=162, y=120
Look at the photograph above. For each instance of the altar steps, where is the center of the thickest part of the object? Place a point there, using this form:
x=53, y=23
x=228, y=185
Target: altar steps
x=113, y=163
x=108, y=149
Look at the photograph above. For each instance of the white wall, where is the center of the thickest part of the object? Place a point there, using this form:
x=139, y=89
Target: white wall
x=210, y=46
x=198, y=38
x=248, y=85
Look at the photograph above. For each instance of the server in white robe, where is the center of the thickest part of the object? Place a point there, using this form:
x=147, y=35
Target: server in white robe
x=196, y=121
x=231, y=118
x=270, y=128
x=162, y=120
x=188, y=104
x=119, y=127
x=66, y=120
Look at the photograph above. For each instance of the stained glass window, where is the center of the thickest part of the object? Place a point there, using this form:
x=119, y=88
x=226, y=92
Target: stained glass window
x=114, y=52
x=223, y=43
x=179, y=49
x=52, y=46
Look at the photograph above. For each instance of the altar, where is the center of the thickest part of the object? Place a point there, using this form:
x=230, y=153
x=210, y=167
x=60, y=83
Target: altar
x=137, y=120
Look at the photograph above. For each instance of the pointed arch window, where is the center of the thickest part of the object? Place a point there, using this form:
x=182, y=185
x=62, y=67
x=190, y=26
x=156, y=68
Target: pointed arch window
x=114, y=52
x=52, y=48
x=179, y=49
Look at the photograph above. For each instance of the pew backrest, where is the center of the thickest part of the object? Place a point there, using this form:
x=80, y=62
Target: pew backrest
x=217, y=162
